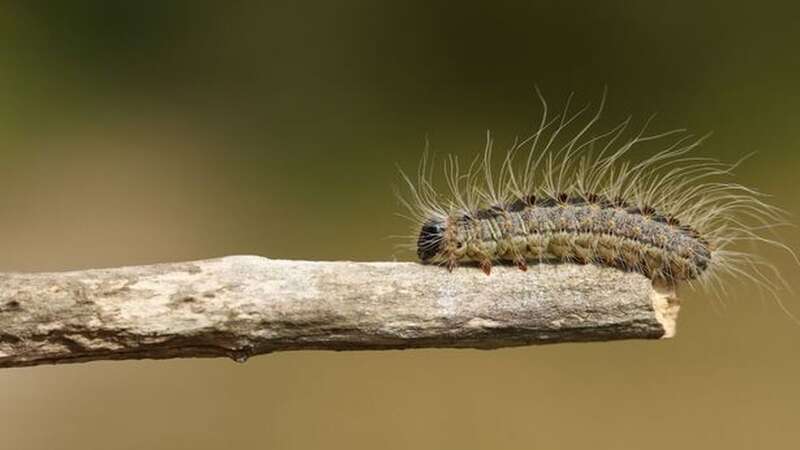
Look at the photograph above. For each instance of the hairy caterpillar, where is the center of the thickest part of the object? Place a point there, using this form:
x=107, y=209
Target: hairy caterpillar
x=569, y=194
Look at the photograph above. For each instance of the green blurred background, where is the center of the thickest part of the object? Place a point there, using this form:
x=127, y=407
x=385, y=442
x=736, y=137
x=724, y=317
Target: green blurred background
x=141, y=132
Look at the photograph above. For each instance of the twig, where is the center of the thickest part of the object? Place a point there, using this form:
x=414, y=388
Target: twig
x=239, y=306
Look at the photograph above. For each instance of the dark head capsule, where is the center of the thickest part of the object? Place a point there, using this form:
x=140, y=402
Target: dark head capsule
x=430, y=240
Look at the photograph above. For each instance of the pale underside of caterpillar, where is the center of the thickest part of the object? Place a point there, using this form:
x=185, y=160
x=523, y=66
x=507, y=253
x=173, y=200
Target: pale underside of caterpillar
x=569, y=194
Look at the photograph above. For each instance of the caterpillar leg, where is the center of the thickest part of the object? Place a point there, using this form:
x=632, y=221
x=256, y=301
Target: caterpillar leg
x=521, y=263
x=486, y=266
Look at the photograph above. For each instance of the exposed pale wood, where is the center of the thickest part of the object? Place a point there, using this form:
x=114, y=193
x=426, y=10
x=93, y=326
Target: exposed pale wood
x=239, y=306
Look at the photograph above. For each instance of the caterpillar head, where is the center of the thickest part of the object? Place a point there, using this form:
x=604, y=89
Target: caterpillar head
x=431, y=238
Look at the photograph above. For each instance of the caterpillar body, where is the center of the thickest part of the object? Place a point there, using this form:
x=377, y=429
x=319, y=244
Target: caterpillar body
x=580, y=229
x=570, y=194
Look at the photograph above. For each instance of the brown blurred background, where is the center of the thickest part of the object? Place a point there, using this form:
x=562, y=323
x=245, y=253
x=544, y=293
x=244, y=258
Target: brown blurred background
x=141, y=132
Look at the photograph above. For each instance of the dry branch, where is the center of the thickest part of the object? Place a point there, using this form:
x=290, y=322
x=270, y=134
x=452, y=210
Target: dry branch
x=239, y=306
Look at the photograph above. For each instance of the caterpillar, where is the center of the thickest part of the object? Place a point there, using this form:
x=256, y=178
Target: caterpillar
x=570, y=194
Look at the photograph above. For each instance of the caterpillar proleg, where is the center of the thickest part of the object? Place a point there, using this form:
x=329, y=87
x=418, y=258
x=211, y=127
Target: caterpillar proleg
x=569, y=193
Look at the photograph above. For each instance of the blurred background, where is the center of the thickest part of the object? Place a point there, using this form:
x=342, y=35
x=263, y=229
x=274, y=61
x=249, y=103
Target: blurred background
x=143, y=132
